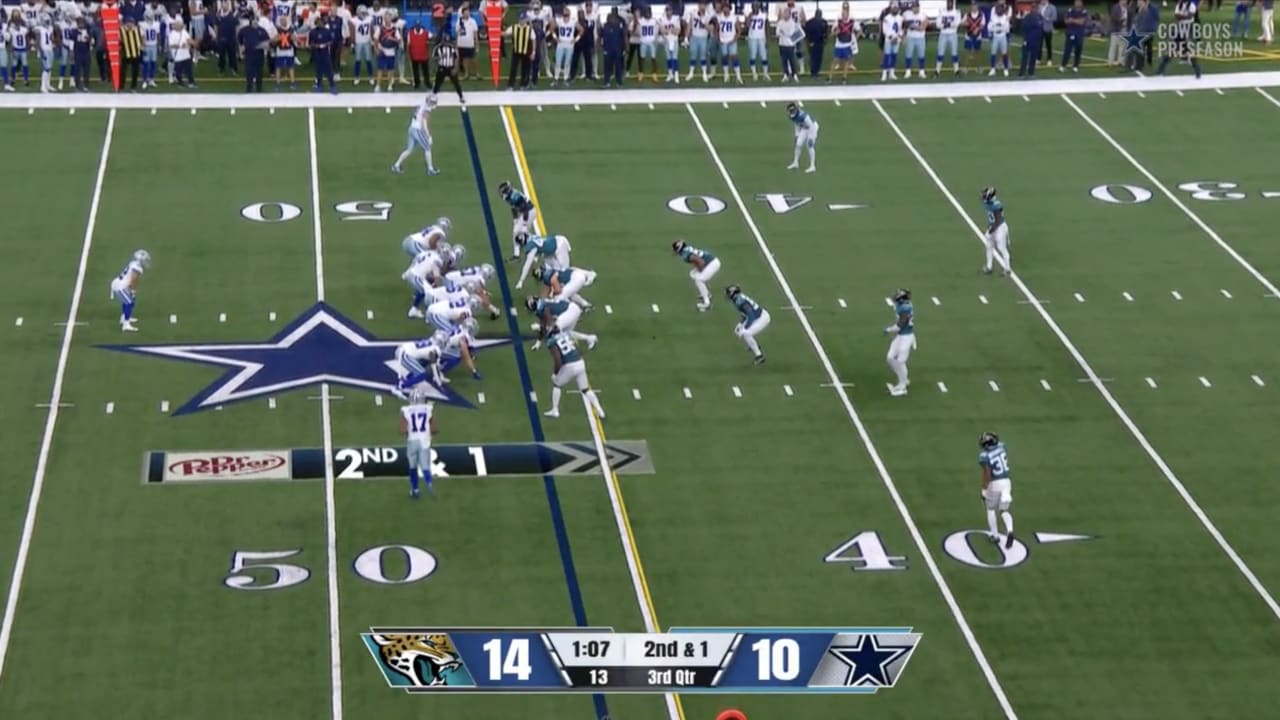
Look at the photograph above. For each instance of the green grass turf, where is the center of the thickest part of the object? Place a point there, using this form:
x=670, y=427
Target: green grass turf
x=749, y=492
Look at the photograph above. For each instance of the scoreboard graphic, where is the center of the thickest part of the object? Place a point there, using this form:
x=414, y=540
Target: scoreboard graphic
x=853, y=660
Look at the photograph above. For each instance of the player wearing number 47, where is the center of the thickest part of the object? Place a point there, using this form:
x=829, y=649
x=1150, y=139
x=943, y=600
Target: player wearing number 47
x=754, y=320
x=705, y=266
x=418, y=423
x=806, y=137
x=904, y=331
x=124, y=288
x=997, y=487
x=567, y=364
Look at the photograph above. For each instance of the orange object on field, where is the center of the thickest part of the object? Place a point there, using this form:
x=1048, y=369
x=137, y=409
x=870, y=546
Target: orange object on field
x=493, y=12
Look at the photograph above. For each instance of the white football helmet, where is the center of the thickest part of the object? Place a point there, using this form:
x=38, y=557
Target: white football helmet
x=420, y=395
x=444, y=224
x=143, y=257
x=486, y=271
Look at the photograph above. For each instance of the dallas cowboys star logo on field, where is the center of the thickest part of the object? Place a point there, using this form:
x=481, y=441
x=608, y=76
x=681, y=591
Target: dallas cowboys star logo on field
x=868, y=661
x=320, y=346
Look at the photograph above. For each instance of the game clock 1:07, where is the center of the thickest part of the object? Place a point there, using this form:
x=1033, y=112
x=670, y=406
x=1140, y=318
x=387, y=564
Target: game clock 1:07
x=590, y=648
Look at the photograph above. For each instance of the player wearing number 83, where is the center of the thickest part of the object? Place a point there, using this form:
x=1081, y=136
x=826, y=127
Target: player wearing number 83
x=418, y=423
x=997, y=487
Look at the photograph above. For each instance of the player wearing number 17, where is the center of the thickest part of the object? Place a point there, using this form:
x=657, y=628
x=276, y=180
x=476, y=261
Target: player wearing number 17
x=418, y=424
x=705, y=266
x=806, y=137
x=997, y=487
x=567, y=364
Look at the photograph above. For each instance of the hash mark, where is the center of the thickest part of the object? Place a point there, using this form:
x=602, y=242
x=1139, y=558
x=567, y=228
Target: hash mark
x=936, y=301
x=17, y=323
x=349, y=111
x=511, y=310
x=982, y=299
x=837, y=102
x=377, y=400
x=888, y=302
x=480, y=398
x=787, y=389
x=635, y=393
x=942, y=386
x=1151, y=383
x=737, y=392
x=650, y=106
x=1205, y=381
x=1225, y=294
x=1257, y=381
x=193, y=111
x=1141, y=94
x=913, y=100
x=1102, y=95
x=608, y=309
x=763, y=104
x=843, y=304
x=994, y=387
x=797, y=307
x=688, y=393
x=173, y=319
x=270, y=111
x=533, y=397
x=539, y=108
x=655, y=307
x=388, y=109
x=1078, y=297
x=726, y=105
x=368, y=314
x=153, y=111
x=233, y=111
x=271, y=316
x=1220, y=91
x=164, y=406
x=1127, y=296
x=987, y=98
x=271, y=403
x=222, y=317
x=951, y=101
x=1179, y=93
x=613, y=106
x=61, y=405
x=1176, y=295
x=111, y=407
x=1026, y=99
x=72, y=111
x=1045, y=384
x=577, y=107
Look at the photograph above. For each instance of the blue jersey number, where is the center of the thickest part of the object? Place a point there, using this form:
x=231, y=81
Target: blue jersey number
x=418, y=422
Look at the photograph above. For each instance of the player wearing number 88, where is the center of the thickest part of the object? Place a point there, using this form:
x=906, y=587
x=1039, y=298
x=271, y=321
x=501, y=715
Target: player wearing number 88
x=997, y=487
x=418, y=423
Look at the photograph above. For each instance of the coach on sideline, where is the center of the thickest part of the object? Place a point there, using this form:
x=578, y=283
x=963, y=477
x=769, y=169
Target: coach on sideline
x=253, y=40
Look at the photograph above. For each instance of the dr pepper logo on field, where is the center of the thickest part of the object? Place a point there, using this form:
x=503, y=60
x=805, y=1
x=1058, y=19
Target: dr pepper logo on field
x=231, y=465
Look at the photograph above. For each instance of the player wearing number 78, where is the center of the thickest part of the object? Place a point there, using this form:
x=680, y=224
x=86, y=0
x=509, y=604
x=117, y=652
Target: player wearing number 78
x=418, y=424
x=997, y=487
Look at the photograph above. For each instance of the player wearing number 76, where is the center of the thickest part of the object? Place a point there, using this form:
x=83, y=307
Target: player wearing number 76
x=418, y=424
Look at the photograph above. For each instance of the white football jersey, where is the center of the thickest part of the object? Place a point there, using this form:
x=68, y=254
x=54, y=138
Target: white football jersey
x=417, y=418
x=948, y=21
x=999, y=24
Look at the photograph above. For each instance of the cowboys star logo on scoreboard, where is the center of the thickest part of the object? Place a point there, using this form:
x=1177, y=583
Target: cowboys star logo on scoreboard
x=320, y=346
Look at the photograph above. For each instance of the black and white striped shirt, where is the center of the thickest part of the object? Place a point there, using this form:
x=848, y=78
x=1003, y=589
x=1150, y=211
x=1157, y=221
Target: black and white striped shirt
x=446, y=56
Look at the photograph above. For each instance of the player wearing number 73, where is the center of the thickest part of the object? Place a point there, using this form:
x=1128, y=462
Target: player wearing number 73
x=997, y=487
x=418, y=424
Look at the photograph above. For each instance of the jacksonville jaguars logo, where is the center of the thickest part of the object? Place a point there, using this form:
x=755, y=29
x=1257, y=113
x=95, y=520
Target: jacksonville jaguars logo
x=321, y=346
x=414, y=660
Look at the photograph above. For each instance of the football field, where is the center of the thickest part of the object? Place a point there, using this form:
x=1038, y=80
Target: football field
x=198, y=520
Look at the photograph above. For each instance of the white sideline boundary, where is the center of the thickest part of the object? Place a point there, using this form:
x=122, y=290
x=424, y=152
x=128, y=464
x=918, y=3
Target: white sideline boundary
x=655, y=96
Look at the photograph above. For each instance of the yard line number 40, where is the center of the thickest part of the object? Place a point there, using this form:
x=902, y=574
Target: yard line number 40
x=866, y=551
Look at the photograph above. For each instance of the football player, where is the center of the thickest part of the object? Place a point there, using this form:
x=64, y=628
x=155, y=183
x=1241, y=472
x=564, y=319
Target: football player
x=904, y=341
x=948, y=35
x=428, y=238
x=567, y=364
x=998, y=27
x=124, y=288
x=553, y=249
x=806, y=136
x=457, y=342
x=449, y=314
x=997, y=487
x=997, y=238
x=419, y=360
x=567, y=283
x=705, y=266
x=754, y=320
x=473, y=279
x=523, y=215
x=560, y=315
x=419, y=135
x=422, y=275
x=418, y=423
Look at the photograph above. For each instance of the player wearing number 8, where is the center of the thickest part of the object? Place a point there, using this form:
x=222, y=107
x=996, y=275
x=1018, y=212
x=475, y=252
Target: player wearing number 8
x=997, y=488
x=418, y=424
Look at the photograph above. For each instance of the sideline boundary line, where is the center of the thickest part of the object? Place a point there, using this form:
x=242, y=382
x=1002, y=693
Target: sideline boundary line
x=1096, y=381
x=530, y=403
x=655, y=96
x=55, y=403
x=326, y=424
x=863, y=434
x=630, y=549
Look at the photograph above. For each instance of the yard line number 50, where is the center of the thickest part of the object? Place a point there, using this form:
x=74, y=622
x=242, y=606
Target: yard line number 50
x=263, y=569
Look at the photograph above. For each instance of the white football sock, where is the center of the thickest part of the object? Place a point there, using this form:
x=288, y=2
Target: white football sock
x=991, y=523
x=1008, y=521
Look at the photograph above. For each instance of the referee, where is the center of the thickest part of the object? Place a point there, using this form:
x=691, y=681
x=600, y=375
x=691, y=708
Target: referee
x=521, y=54
x=446, y=57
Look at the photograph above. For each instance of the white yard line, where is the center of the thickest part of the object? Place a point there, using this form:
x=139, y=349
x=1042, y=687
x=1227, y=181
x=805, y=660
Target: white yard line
x=626, y=536
x=1271, y=288
x=1097, y=381
x=921, y=545
x=55, y=403
x=326, y=423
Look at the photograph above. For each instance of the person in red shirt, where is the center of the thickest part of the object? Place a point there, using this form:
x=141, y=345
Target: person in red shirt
x=419, y=54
